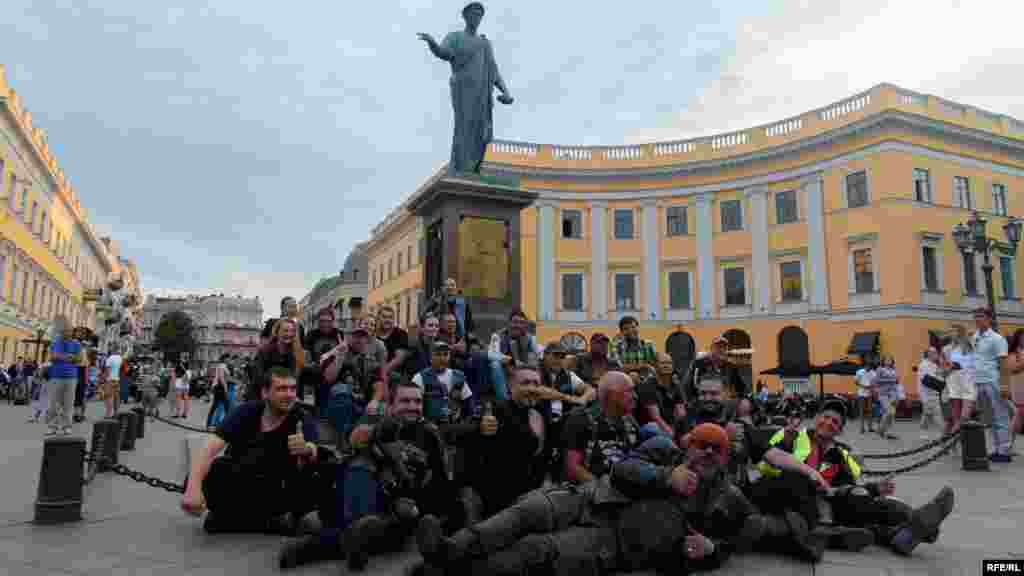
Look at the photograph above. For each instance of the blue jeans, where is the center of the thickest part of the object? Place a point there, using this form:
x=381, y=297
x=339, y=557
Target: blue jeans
x=1000, y=416
x=344, y=410
x=651, y=430
x=357, y=494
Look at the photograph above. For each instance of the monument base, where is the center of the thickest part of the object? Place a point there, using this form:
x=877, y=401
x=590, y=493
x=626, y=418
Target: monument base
x=472, y=228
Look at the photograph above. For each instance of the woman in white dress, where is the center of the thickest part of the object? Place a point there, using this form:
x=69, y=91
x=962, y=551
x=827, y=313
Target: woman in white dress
x=958, y=357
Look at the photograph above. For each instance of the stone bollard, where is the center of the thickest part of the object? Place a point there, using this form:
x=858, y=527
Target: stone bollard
x=128, y=426
x=140, y=422
x=111, y=442
x=972, y=445
x=59, y=498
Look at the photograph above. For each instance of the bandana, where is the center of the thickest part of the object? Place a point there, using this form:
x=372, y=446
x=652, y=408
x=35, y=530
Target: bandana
x=709, y=433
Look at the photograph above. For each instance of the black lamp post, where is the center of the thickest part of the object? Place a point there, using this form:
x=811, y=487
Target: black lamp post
x=973, y=237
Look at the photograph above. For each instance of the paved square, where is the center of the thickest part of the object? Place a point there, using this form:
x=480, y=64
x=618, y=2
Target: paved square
x=133, y=529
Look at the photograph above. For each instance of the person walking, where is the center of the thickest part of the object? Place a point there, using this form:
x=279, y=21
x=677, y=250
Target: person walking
x=928, y=379
x=181, y=385
x=65, y=355
x=991, y=370
x=959, y=360
x=888, y=385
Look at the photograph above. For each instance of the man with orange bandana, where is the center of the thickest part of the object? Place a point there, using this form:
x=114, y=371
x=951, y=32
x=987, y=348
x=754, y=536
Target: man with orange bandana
x=863, y=514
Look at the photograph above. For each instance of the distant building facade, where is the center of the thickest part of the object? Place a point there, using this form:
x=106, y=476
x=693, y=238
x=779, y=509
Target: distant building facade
x=344, y=292
x=224, y=324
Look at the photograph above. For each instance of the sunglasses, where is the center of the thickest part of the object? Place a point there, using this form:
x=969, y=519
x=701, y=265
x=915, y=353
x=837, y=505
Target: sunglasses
x=702, y=446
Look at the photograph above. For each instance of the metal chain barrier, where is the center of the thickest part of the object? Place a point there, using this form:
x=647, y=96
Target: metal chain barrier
x=182, y=426
x=93, y=460
x=952, y=441
x=922, y=448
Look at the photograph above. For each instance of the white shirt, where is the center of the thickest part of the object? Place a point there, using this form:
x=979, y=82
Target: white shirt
x=446, y=379
x=956, y=354
x=989, y=347
x=114, y=363
x=864, y=378
x=925, y=368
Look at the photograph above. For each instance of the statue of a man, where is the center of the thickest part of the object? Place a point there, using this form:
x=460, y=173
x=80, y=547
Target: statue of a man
x=474, y=74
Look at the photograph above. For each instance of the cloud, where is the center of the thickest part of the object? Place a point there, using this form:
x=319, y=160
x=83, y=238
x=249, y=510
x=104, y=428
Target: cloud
x=812, y=54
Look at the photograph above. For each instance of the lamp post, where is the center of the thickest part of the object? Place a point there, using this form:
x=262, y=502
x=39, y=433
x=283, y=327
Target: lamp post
x=972, y=238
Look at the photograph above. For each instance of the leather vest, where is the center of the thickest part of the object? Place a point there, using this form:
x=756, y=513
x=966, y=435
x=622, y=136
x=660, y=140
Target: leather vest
x=521, y=350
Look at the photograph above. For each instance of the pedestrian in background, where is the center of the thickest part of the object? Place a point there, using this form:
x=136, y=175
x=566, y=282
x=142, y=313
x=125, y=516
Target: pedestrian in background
x=65, y=356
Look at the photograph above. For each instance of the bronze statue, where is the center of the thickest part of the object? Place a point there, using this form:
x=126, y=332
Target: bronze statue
x=474, y=74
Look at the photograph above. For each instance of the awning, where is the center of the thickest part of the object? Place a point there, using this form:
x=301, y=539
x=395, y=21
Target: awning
x=864, y=343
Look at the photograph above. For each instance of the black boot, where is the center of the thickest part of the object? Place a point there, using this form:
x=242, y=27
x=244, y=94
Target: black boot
x=924, y=523
x=309, y=550
x=364, y=536
x=809, y=545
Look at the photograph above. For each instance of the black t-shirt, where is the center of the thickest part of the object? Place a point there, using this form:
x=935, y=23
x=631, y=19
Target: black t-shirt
x=397, y=340
x=510, y=455
x=585, y=367
x=650, y=392
x=318, y=343
x=437, y=489
x=268, y=451
x=613, y=441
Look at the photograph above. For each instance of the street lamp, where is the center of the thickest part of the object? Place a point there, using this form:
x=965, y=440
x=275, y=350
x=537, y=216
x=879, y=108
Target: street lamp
x=972, y=238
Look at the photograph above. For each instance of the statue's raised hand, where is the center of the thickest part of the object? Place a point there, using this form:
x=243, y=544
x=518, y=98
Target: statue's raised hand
x=426, y=38
x=505, y=99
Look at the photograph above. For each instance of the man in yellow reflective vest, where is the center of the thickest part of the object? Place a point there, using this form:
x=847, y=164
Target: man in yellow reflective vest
x=863, y=514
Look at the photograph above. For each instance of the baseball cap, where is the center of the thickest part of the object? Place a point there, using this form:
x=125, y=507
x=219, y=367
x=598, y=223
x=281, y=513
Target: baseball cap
x=555, y=348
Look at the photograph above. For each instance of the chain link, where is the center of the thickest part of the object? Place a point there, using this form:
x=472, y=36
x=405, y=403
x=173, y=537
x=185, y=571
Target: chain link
x=952, y=441
x=121, y=470
x=182, y=426
x=922, y=448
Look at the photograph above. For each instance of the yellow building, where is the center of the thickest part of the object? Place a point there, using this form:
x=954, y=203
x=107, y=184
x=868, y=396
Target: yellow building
x=49, y=251
x=833, y=223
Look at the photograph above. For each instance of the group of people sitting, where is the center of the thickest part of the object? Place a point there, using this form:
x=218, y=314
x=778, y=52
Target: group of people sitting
x=521, y=459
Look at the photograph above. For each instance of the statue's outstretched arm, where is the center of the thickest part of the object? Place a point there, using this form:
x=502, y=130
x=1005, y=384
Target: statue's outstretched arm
x=438, y=50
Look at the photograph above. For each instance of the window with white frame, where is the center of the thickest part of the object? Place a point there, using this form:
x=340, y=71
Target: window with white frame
x=625, y=291
x=572, y=291
x=999, y=198
x=1008, y=277
x=863, y=271
x=786, y=210
x=572, y=224
x=732, y=215
x=922, y=185
x=676, y=220
x=930, y=268
x=735, y=286
x=792, y=281
x=962, y=193
x=679, y=290
x=970, y=273
x=623, y=224
x=857, y=189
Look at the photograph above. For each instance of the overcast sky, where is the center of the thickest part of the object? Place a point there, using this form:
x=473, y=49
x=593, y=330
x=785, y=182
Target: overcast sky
x=247, y=146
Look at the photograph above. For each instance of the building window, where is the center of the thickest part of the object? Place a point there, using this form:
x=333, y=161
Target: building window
x=32, y=220
x=408, y=257
x=857, y=189
x=922, y=185
x=625, y=292
x=735, y=287
x=970, y=274
x=785, y=207
x=391, y=268
x=572, y=292
x=732, y=215
x=679, y=290
x=400, y=254
x=12, y=193
x=24, y=289
x=572, y=223
x=962, y=193
x=999, y=199
x=24, y=197
x=623, y=224
x=931, y=268
x=398, y=312
x=791, y=274
x=421, y=250
x=863, y=271
x=43, y=228
x=677, y=221
x=1007, y=277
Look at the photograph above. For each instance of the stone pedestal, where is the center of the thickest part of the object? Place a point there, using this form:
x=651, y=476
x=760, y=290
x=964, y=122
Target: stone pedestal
x=472, y=235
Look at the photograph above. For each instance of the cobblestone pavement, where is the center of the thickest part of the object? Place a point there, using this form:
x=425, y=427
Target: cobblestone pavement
x=131, y=528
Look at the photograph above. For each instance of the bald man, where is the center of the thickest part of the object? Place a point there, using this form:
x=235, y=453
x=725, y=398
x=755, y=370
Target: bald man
x=599, y=436
x=660, y=402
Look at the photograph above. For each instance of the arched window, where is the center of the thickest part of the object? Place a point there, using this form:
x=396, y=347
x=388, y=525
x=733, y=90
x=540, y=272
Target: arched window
x=793, y=347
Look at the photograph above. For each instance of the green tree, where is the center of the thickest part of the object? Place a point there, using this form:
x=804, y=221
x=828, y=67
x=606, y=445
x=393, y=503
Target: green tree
x=175, y=335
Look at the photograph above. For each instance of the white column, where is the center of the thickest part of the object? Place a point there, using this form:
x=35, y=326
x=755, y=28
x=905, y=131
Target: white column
x=545, y=259
x=812, y=191
x=705, y=257
x=651, y=233
x=599, y=260
x=761, y=273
